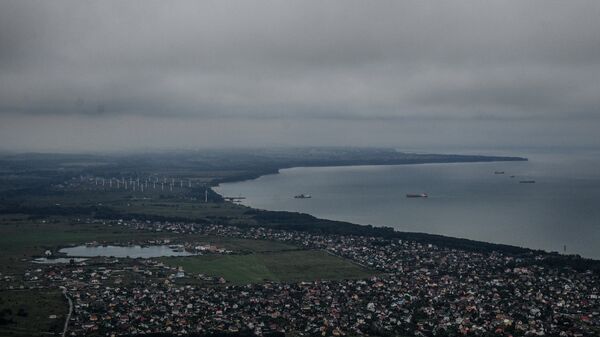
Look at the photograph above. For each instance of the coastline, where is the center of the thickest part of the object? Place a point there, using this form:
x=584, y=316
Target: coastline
x=297, y=221
x=275, y=169
x=437, y=237
x=283, y=220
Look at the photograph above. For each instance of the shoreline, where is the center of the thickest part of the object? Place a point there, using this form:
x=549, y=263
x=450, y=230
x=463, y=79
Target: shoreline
x=423, y=237
x=276, y=170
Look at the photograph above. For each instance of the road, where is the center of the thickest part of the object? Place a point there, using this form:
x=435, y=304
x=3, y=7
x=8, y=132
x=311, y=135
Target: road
x=64, y=333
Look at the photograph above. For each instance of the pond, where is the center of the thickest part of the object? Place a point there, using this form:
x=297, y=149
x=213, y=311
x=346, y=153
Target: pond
x=124, y=251
x=44, y=260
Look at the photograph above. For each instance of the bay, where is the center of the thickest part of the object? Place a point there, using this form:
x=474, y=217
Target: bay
x=468, y=200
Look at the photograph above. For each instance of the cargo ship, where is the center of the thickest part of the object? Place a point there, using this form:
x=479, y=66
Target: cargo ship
x=418, y=195
x=303, y=196
x=527, y=182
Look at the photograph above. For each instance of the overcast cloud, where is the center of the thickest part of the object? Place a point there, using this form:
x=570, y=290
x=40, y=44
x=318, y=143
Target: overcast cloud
x=115, y=75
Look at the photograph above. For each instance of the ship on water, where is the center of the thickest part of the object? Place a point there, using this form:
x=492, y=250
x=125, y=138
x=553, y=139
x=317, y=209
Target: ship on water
x=303, y=196
x=527, y=181
x=417, y=195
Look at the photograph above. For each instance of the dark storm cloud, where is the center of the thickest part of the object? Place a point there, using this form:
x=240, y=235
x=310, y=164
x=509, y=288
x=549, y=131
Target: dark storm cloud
x=300, y=60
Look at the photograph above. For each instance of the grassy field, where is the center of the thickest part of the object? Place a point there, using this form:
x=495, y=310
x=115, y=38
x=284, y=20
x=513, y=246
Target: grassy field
x=298, y=265
x=27, y=312
x=20, y=240
x=34, y=238
x=246, y=245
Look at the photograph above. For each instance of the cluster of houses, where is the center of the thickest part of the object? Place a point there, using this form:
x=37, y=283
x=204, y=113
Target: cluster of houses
x=419, y=290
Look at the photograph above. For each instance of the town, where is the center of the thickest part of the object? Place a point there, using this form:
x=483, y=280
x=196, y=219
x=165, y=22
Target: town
x=299, y=168
x=414, y=290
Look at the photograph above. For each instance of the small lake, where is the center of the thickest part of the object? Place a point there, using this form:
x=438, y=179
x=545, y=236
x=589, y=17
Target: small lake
x=123, y=251
x=43, y=260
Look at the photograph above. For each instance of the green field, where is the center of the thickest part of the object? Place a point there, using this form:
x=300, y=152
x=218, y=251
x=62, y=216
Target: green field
x=21, y=240
x=27, y=312
x=298, y=265
x=246, y=245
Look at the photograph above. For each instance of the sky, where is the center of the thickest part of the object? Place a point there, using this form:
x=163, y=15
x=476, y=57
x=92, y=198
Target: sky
x=79, y=75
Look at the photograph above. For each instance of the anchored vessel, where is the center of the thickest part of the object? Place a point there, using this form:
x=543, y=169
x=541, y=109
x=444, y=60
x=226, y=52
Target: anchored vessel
x=418, y=195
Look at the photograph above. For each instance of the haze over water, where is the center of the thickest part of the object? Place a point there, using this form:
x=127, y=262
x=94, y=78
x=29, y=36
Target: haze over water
x=465, y=200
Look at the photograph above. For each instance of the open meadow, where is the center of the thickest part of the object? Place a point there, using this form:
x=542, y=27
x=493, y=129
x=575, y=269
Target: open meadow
x=288, y=266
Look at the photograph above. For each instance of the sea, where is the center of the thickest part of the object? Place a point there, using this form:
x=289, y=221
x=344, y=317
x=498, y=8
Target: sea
x=559, y=212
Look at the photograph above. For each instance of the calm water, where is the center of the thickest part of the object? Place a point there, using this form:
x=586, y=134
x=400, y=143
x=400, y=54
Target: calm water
x=465, y=200
x=58, y=260
x=122, y=251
